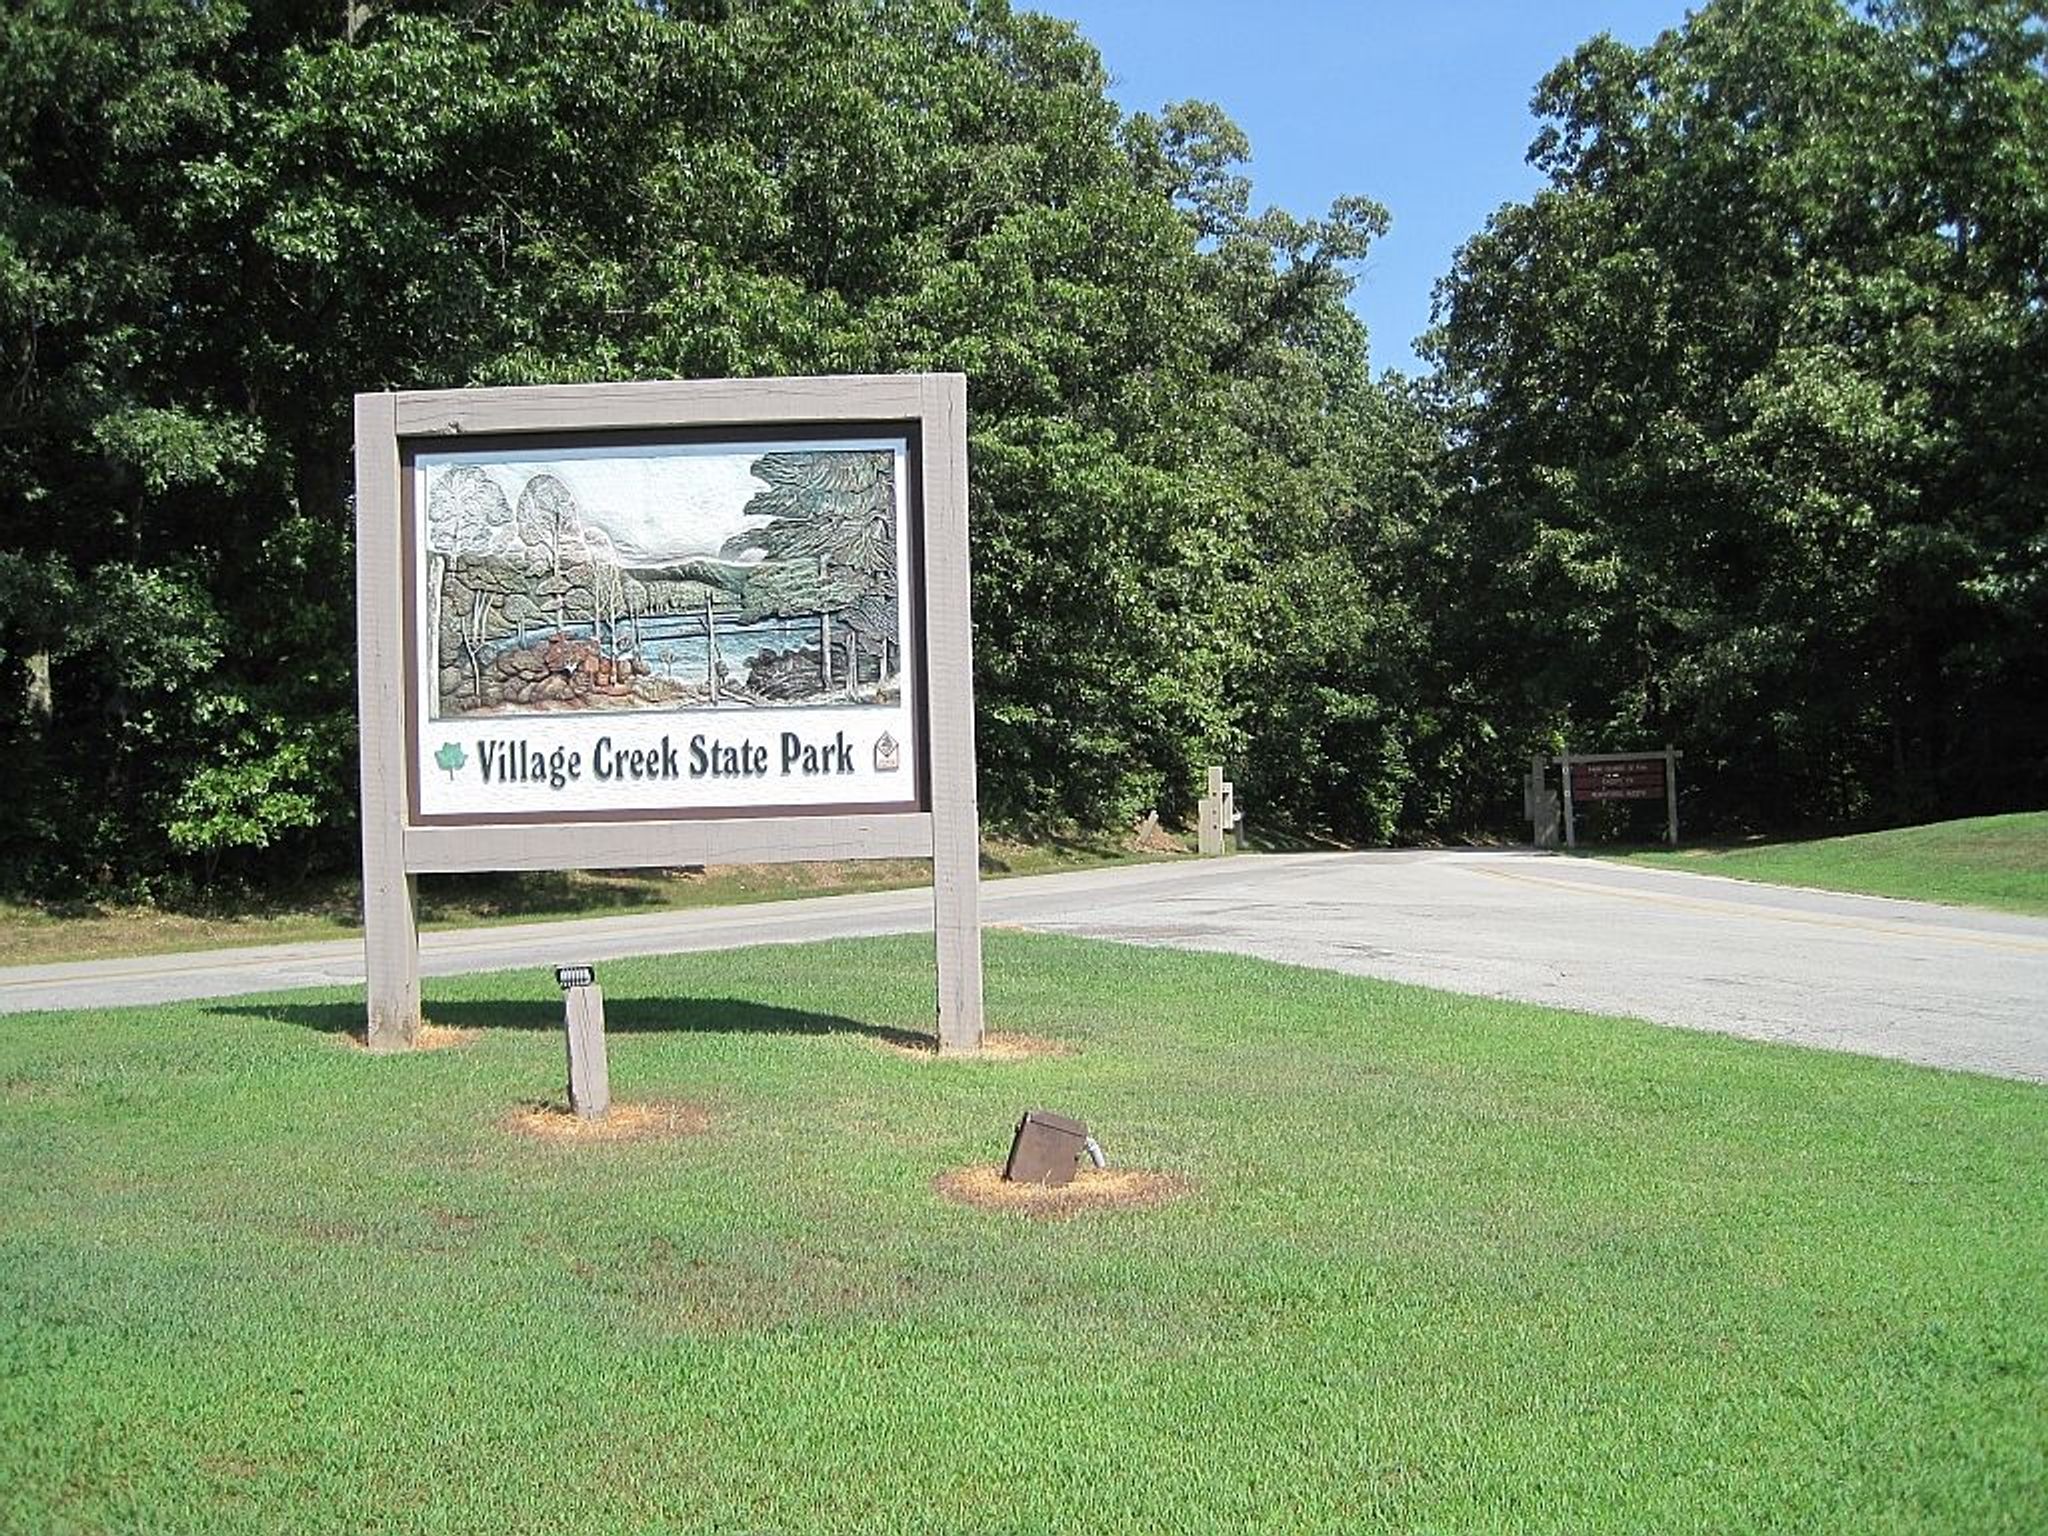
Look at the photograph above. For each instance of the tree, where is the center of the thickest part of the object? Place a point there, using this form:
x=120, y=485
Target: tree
x=1747, y=402
x=831, y=515
x=219, y=222
x=468, y=519
x=550, y=527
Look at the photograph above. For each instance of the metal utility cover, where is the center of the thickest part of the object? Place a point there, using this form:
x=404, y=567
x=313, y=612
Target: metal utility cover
x=1045, y=1148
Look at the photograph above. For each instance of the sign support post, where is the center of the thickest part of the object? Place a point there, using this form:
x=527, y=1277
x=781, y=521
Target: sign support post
x=391, y=937
x=956, y=818
x=1671, y=793
x=1571, y=831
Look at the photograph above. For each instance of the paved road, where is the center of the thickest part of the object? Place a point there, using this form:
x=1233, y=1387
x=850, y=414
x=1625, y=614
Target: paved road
x=1888, y=978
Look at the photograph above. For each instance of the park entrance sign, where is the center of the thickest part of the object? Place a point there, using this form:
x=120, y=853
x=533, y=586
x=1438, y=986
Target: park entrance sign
x=1593, y=778
x=670, y=623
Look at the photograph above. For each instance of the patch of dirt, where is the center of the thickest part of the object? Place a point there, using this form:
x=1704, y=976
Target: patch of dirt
x=432, y=1037
x=238, y=1469
x=1093, y=1189
x=665, y=1121
x=334, y=1234
x=1149, y=837
x=994, y=1047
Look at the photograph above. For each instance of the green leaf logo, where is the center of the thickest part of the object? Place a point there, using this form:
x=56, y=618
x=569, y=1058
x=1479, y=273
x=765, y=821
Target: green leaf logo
x=451, y=757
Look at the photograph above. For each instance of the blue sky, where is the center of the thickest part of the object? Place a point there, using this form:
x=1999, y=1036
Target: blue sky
x=1423, y=107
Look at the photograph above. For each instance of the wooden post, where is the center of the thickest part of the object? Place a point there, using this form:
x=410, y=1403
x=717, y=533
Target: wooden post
x=956, y=818
x=1671, y=792
x=1539, y=804
x=1218, y=827
x=391, y=940
x=590, y=1079
x=1209, y=817
x=1571, y=831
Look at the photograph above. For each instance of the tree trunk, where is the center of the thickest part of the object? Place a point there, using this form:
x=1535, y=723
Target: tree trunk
x=42, y=696
x=437, y=573
x=711, y=645
x=473, y=643
x=825, y=650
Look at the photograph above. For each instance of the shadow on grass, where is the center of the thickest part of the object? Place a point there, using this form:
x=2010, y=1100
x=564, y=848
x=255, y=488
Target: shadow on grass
x=1055, y=852
x=622, y=1015
x=1282, y=840
x=464, y=898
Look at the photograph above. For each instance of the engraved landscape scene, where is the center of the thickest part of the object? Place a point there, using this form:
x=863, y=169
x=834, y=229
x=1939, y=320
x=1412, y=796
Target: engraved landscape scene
x=650, y=584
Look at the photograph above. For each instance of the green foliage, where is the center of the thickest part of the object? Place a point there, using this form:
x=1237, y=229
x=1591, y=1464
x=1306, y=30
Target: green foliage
x=1736, y=437
x=1750, y=409
x=217, y=223
x=259, y=785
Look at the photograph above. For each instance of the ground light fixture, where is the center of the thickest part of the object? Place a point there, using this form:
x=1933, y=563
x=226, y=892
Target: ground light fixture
x=590, y=1088
x=1046, y=1147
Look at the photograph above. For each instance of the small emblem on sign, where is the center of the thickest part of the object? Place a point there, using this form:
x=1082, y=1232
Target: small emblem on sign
x=450, y=758
x=569, y=976
x=888, y=758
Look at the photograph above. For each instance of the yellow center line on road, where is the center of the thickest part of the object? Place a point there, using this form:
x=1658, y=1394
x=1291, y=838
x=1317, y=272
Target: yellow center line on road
x=1812, y=919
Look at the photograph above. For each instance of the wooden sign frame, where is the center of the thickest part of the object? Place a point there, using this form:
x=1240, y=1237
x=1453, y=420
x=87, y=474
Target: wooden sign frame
x=929, y=411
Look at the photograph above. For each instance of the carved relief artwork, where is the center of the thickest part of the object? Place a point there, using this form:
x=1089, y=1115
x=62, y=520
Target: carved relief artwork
x=662, y=578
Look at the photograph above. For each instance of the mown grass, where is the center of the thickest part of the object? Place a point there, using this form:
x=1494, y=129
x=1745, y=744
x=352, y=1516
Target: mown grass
x=1999, y=862
x=33, y=933
x=1450, y=1265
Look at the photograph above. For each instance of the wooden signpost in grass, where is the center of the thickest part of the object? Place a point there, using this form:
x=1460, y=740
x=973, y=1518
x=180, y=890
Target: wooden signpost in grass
x=662, y=624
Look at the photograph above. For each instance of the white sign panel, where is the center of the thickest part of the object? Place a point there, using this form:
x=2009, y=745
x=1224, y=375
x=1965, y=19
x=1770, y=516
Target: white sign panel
x=608, y=627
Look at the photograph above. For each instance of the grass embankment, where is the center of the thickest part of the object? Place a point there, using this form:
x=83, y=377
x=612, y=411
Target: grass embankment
x=1999, y=862
x=31, y=934
x=1448, y=1264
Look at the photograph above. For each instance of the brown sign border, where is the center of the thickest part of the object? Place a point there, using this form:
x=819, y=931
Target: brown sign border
x=908, y=432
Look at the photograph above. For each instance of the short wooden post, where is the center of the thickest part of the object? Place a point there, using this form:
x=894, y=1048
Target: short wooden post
x=1571, y=831
x=1671, y=792
x=590, y=1082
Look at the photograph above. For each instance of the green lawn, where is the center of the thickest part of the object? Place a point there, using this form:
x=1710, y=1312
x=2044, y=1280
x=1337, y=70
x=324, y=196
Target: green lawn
x=1450, y=1265
x=1987, y=861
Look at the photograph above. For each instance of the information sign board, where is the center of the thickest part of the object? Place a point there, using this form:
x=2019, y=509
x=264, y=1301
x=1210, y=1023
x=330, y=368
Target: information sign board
x=1604, y=776
x=624, y=628
x=1640, y=778
x=665, y=623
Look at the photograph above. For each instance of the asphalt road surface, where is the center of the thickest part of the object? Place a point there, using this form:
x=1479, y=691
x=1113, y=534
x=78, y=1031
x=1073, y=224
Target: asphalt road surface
x=1937, y=985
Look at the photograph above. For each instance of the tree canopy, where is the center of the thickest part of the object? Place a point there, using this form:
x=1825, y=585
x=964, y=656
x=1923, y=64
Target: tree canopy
x=1748, y=408
x=1735, y=436
x=219, y=222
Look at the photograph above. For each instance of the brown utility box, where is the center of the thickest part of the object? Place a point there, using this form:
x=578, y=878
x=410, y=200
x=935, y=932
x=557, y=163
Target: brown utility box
x=1045, y=1148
